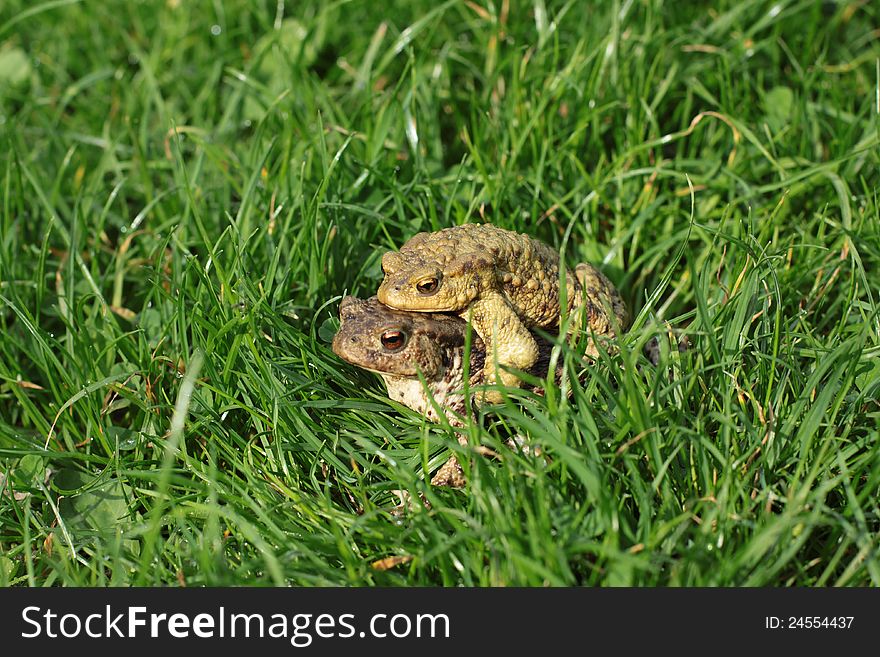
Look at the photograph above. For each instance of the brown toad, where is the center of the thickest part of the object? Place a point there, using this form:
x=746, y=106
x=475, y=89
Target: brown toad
x=399, y=345
x=505, y=283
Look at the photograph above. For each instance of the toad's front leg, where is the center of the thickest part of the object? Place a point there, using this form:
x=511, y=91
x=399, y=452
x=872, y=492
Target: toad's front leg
x=508, y=342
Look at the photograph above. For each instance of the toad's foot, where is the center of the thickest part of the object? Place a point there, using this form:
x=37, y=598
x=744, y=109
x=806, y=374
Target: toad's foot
x=449, y=474
x=508, y=342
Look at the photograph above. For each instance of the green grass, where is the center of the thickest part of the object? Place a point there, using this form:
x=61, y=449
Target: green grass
x=186, y=189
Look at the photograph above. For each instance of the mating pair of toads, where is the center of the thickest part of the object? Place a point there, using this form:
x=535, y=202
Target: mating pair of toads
x=505, y=284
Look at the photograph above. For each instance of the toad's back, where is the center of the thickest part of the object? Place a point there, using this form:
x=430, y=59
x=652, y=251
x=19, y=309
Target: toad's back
x=524, y=269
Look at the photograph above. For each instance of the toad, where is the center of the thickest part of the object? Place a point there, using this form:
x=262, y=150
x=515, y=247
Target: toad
x=504, y=283
x=399, y=345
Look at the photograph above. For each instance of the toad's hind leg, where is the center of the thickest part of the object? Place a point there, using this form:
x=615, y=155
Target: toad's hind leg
x=507, y=341
x=604, y=312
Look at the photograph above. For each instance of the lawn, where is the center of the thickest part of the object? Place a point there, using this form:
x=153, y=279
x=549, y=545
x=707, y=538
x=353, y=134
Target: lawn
x=187, y=189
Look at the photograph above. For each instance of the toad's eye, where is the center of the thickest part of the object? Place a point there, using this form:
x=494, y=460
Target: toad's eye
x=393, y=340
x=427, y=285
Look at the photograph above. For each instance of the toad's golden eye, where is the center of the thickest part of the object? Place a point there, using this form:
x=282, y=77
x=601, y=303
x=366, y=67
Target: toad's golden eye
x=427, y=285
x=393, y=340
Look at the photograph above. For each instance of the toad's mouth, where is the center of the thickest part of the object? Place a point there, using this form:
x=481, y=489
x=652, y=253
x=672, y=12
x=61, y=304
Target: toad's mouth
x=413, y=376
x=395, y=297
x=387, y=373
x=410, y=305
